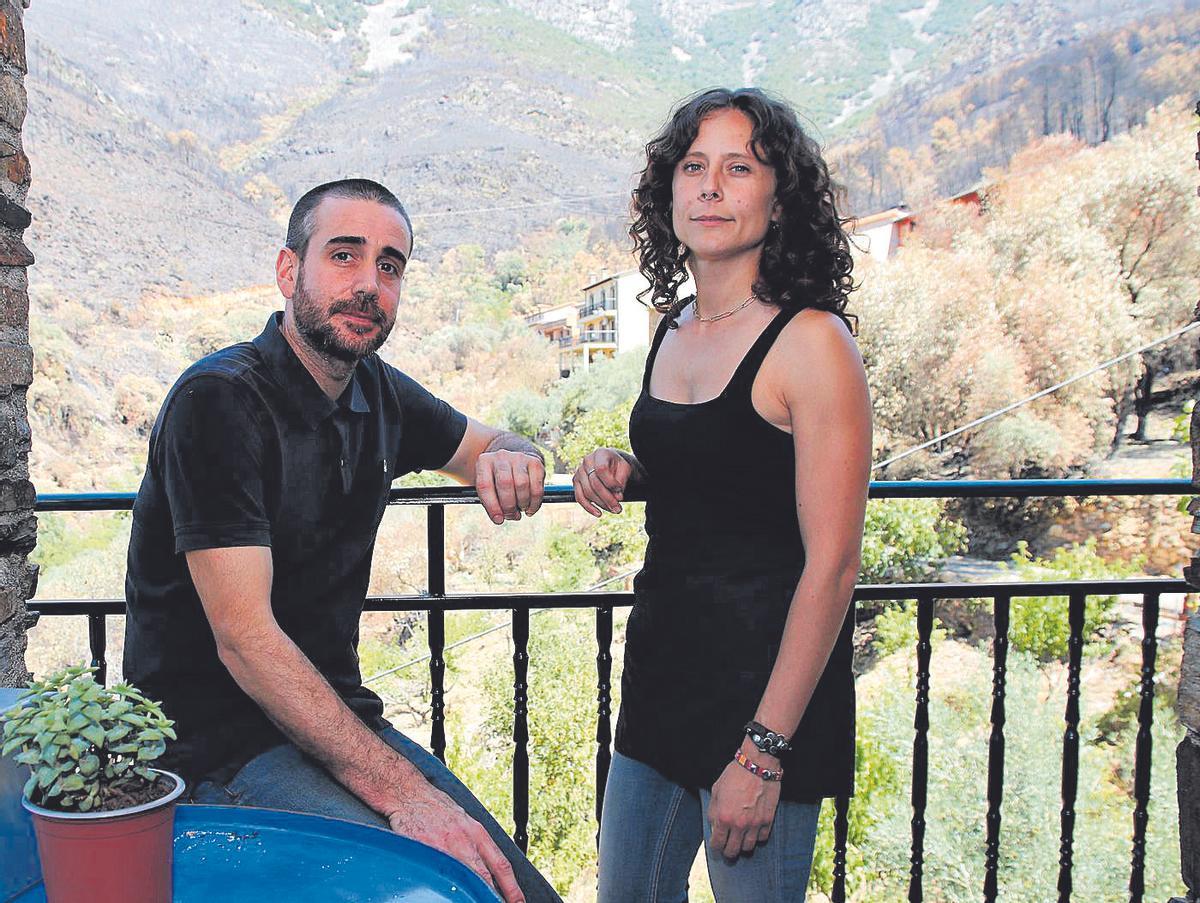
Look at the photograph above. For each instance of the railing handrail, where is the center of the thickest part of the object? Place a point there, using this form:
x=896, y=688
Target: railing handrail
x=864, y=592
x=879, y=489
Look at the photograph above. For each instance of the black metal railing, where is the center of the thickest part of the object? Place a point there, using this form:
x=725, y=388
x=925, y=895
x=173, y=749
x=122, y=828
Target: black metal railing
x=590, y=307
x=436, y=602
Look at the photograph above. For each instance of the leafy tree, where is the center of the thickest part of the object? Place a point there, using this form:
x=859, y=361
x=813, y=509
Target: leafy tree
x=512, y=270
x=896, y=629
x=1081, y=254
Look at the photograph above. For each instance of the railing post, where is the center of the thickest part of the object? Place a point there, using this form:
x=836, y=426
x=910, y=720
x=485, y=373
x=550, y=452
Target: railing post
x=1077, y=607
x=98, y=642
x=604, y=632
x=920, y=778
x=1144, y=748
x=436, y=621
x=995, y=784
x=520, y=629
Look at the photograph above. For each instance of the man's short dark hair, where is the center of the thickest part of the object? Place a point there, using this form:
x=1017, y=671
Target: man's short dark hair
x=301, y=222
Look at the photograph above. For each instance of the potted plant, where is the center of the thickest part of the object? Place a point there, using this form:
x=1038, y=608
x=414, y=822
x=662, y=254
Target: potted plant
x=104, y=818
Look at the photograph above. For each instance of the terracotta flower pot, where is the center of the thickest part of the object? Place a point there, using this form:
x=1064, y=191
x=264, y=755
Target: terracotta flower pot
x=122, y=856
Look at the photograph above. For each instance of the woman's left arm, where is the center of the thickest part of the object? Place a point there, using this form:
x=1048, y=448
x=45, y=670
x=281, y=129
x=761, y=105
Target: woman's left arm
x=829, y=412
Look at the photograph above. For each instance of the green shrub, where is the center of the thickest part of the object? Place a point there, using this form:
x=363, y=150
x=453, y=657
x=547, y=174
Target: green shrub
x=896, y=628
x=877, y=782
x=602, y=427
x=64, y=537
x=567, y=562
x=619, y=540
x=1181, y=426
x=905, y=539
x=1038, y=624
x=1181, y=431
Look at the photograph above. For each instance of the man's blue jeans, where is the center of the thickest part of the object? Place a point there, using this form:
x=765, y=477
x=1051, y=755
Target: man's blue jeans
x=651, y=831
x=285, y=778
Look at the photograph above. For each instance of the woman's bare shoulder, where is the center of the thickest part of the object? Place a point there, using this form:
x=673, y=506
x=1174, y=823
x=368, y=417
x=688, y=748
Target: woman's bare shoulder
x=818, y=337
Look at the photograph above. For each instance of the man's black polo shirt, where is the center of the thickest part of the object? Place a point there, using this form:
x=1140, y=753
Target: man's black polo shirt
x=248, y=451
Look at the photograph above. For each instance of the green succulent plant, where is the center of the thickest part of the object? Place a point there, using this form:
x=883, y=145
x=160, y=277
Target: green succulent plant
x=84, y=742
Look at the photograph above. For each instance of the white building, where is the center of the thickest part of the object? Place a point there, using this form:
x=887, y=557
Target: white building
x=881, y=234
x=612, y=319
x=609, y=320
x=558, y=325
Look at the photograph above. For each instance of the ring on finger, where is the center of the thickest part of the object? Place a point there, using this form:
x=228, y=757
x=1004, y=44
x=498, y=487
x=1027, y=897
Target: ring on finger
x=592, y=471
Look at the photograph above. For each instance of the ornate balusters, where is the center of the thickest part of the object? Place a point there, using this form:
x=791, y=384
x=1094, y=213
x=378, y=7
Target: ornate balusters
x=841, y=828
x=1141, y=767
x=520, y=632
x=995, y=786
x=920, y=779
x=1070, y=765
x=436, y=544
x=98, y=642
x=604, y=633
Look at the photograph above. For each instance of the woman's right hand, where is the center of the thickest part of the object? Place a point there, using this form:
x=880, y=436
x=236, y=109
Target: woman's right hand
x=600, y=481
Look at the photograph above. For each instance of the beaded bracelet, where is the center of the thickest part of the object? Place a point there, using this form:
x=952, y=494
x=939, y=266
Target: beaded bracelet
x=754, y=768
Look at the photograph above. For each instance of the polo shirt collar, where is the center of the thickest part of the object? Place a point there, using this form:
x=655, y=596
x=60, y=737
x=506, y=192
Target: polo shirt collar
x=354, y=398
x=301, y=389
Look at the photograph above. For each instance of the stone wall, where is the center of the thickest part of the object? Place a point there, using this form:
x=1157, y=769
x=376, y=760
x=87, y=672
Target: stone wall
x=1187, y=759
x=1187, y=755
x=18, y=527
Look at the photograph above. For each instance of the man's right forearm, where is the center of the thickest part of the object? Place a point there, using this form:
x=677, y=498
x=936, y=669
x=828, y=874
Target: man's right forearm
x=272, y=671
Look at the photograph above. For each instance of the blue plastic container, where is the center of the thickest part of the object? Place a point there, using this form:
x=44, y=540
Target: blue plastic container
x=244, y=855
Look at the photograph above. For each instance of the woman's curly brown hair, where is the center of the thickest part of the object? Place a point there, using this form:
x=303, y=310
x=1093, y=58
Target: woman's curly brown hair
x=805, y=260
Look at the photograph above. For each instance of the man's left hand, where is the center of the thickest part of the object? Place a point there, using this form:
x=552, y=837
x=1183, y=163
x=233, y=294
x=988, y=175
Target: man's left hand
x=741, y=810
x=509, y=483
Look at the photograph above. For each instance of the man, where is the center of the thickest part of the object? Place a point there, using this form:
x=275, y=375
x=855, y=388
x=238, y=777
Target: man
x=268, y=473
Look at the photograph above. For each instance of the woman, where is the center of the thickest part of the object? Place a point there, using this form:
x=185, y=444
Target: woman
x=753, y=436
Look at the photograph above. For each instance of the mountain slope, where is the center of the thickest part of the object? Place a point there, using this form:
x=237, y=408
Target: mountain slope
x=168, y=138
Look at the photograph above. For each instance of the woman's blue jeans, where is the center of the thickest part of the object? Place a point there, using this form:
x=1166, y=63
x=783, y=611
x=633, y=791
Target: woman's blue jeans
x=651, y=829
x=285, y=778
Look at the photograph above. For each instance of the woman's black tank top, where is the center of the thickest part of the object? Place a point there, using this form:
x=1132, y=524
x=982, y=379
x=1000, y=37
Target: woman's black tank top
x=722, y=563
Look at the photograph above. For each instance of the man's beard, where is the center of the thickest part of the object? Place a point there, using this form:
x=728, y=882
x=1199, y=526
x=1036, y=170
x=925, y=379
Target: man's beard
x=314, y=321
